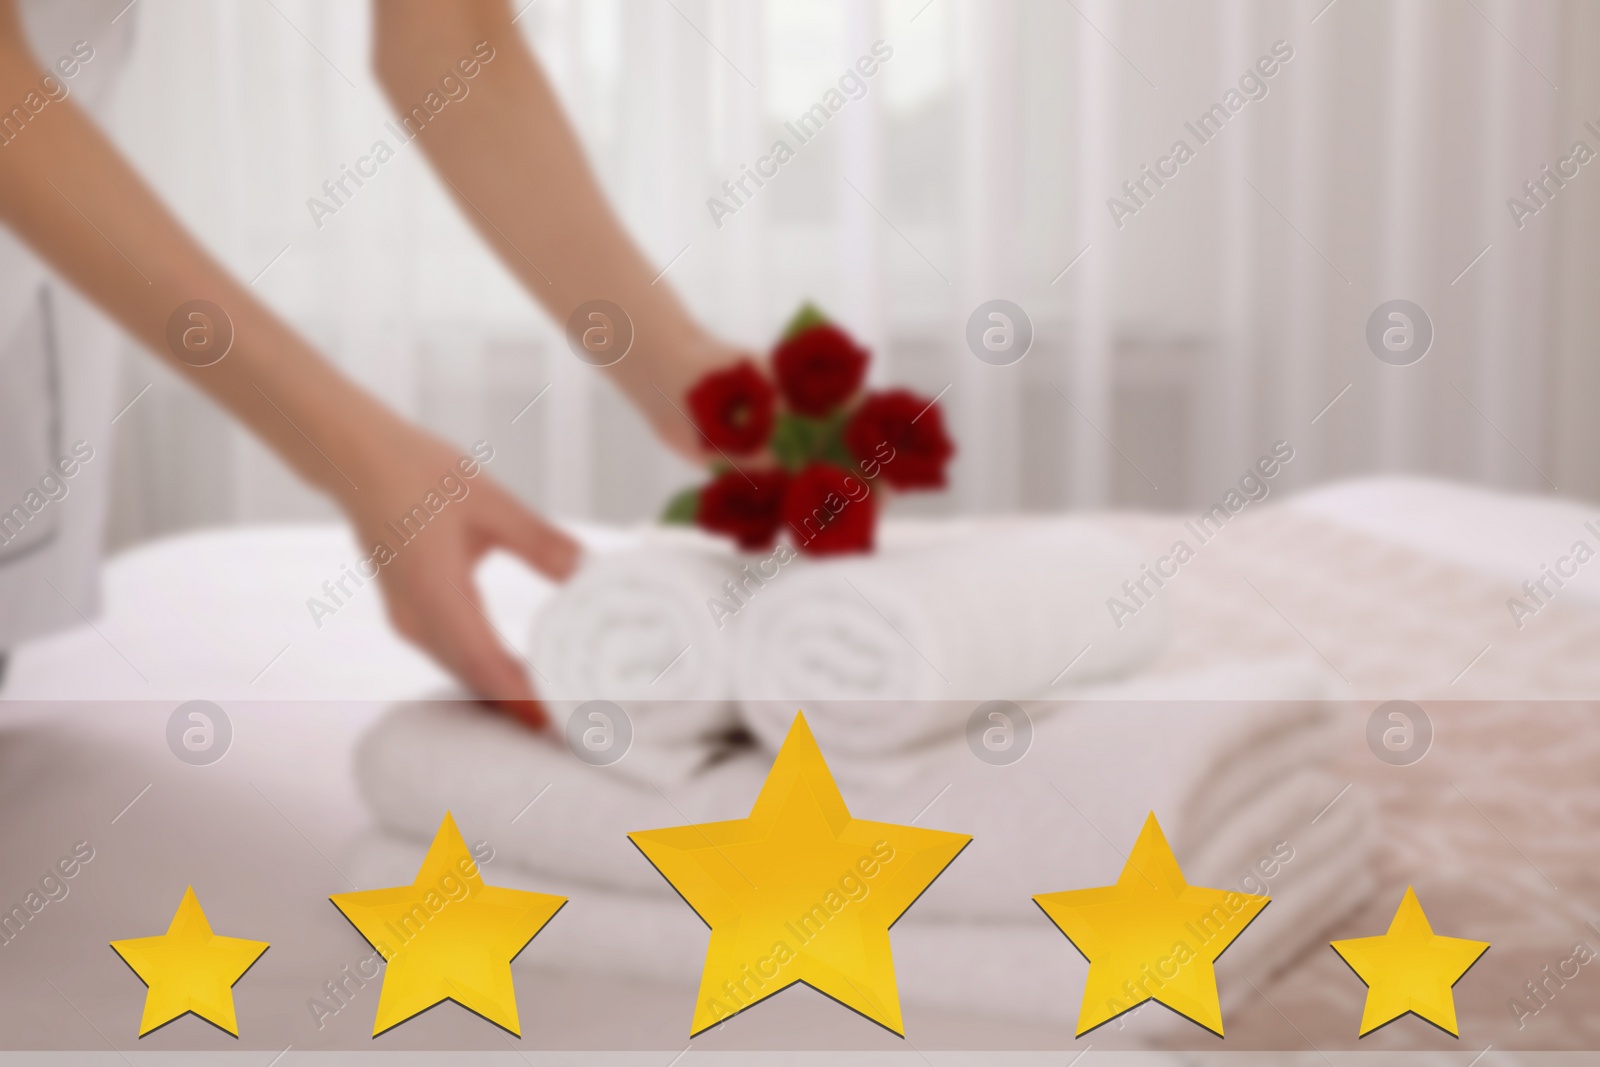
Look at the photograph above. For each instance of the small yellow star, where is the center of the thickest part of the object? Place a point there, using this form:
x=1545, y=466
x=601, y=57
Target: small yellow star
x=1152, y=936
x=1410, y=969
x=448, y=936
x=189, y=968
x=800, y=891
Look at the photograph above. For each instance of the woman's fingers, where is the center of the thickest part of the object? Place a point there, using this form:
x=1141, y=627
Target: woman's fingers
x=545, y=547
x=548, y=550
x=428, y=584
x=461, y=635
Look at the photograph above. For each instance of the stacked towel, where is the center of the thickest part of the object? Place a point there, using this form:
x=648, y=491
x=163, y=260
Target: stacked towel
x=1237, y=786
x=931, y=627
x=424, y=759
x=931, y=729
x=889, y=657
x=998, y=616
x=632, y=627
x=1221, y=776
x=887, y=651
x=1022, y=970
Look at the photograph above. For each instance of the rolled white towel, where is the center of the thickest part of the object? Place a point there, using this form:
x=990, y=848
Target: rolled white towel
x=992, y=616
x=632, y=627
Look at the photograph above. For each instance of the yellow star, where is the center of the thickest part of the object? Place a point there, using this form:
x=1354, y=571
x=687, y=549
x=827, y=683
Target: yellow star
x=799, y=891
x=1410, y=969
x=448, y=936
x=189, y=968
x=1152, y=936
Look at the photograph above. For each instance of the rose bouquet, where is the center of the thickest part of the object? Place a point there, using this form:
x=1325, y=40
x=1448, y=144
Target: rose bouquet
x=801, y=446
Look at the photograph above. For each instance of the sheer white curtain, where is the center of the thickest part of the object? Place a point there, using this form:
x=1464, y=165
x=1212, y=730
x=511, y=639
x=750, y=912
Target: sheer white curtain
x=1173, y=345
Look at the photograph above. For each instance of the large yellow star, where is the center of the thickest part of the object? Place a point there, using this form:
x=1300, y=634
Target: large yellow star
x=189, y=968
x=1152, y=936
x=1410, y=969
x=448, y=936
x=799, y=891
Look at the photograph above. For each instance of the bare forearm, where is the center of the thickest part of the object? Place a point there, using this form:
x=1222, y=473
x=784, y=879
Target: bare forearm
x=70, y=196
x=518, y=172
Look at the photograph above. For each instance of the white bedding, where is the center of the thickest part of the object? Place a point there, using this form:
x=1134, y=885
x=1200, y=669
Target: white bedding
x=1499, y=534
x=222, y=614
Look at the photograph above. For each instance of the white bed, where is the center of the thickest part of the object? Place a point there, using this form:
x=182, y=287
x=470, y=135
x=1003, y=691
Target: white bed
x=221, y=615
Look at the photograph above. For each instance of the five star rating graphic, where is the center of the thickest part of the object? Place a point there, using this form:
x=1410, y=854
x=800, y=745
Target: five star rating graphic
x=799, y=892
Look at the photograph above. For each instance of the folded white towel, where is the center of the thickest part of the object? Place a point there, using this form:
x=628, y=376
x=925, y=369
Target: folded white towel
x=994, y=616
x=1010, y=970
x=1294, y=681
x=423, y=759
x=632, y=627
x=1093, y=773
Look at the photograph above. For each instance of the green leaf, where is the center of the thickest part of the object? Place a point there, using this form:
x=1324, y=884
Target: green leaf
x=808, y=316
x=798, y=439
x=791, y=441
x=682, y=508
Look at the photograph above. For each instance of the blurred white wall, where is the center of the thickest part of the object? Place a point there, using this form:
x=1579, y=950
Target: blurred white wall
x=1223, y=315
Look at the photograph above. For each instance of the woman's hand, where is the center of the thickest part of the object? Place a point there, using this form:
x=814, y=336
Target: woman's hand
x=516, y=168
x=428, y=582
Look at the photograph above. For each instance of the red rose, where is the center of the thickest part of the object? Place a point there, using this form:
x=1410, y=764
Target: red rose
x=733, y=408
x=819, y=369
x=903, y=435
x=829, y=510
x=749, y=513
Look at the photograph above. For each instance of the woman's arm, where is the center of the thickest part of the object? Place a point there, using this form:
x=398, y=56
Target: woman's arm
x=66, y=191
x=517, y=171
